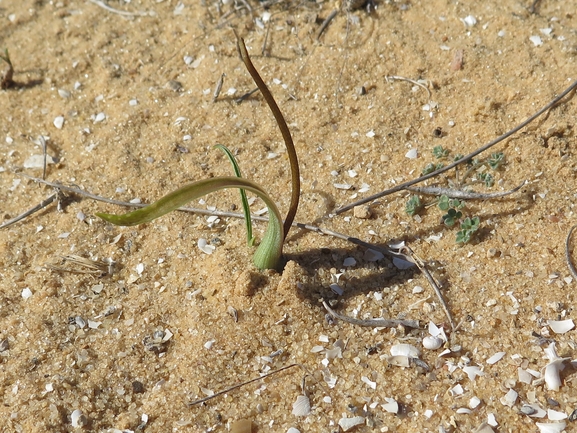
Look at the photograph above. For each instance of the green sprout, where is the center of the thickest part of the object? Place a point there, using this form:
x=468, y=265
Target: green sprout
x=269, y=253
x=6, y=77
x=414, y=205
x=446, y=203
x=451, y=217
x=439, y=152
x=468, y=227
x=495, y=160
x=430, y=167
x=486, y=178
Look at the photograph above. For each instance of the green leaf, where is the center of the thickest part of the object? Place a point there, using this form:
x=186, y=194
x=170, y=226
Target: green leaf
x=451, y=217
x=495, y=160
x=244, y=200
x=268, y=253
x=439, y=152
x=414, y=205
x=443, y=202
x=463, y=237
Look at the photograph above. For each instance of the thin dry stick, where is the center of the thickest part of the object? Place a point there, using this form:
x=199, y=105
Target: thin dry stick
x=423, y=268
x=232, y=388
x=116, y=11
x=466, y=158
x=44, y=153
x=326, y=23
x=568, y=254
x=374, y=323
x=465, y=195
x=29, y=212
x=396, y=77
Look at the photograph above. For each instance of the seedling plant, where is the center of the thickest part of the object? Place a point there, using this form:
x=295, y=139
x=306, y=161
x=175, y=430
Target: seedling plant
x=454, y=207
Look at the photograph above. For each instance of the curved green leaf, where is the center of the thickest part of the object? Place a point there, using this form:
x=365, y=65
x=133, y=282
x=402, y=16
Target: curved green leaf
x=268, y=253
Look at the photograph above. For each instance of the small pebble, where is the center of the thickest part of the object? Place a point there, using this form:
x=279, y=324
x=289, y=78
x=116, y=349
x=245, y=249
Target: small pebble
x=362, y=212
x=493, y=253
x=137, y=387
x=174, y=85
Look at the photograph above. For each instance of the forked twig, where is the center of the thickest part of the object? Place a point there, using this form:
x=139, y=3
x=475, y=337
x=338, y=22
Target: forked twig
x=464, y=159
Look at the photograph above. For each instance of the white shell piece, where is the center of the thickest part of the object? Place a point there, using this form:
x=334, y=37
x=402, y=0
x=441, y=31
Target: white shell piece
x=317, y=349
x=93, y=324
x=474, y=402
x=434, y=330
x=464, y=410
x=349, y=261
x=457, y=389
x=472, y=371
x=555, y=415
x=302, y=406
x=469, y=20
x=76, y=418
x=491, y=420
x=551, y=374
x=99, y=117
x=495, y=358
x=293, y=430
x=26, y=293
x=205, y=247
x=335, y=352
x=536, y=39
x=524, y=376
x=348, y=423
x=561, y=326
x=412, y=154
x=405, y=350
x=37, y=161
x=391, y=405
x=59, y=122
x=208, y=344
x=369, y=382
x=550, y=427
x=140, y=268
x=510, y=398
x=428, y=413
x=344, y=186
x=399, y=361
x=432, y=343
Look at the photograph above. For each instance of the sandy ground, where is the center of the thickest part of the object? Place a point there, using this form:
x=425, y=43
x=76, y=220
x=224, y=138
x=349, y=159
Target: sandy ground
x=94, y=344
